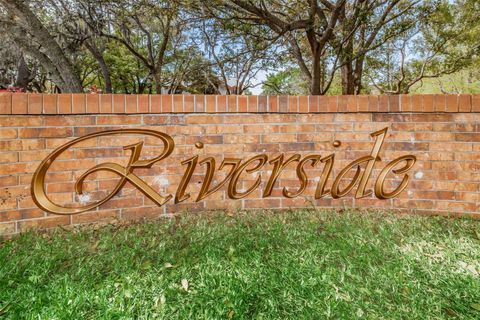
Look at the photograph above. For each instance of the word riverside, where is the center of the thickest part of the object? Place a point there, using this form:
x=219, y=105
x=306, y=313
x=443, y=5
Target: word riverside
x=237, y=168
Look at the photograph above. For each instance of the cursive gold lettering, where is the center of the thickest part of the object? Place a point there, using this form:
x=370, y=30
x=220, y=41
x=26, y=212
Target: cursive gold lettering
x=232, y=177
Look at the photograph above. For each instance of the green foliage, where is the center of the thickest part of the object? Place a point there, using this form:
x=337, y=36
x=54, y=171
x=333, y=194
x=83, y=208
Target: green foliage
x=464, y=81
x=286, y=82
x=251, y=265
x=440, y=43
x=211, y=46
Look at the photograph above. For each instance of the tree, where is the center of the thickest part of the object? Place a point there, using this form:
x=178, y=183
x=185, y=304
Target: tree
x=29, y=33
x=441, y=43
x=364, y=26
x=235, y=57
x=146, y=28
x=74, y=30
x=293, y=23
x=326, y=36
x=285, y=82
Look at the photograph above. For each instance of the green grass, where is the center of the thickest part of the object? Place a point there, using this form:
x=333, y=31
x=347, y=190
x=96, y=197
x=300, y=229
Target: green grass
x=254, y=265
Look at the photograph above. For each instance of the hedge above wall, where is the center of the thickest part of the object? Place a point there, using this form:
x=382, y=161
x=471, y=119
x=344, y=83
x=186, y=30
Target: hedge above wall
x=20, y=103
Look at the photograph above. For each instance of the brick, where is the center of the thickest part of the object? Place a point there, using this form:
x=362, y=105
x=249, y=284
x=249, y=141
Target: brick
x=452, y=103
x=43, y=223
x=332, y=104
x=167, y=103
x=262, y=104
x=178, y=106
x=440, y=101
x=242, y=103
x=221, y=103
x=95, y=216
x=273, y=104
x=428, y=103
x=362, y=103
x=141, y=213
x=313, y=103
x=432, y=117
x=19, y=103
x=64, y=104
x=467, y=137
x=79, y=103
x=35, y=103
x=118, y=103
x=50, y=103
x=194, y=103
x=303, y=104
x=158, y=119
x=342, y=103
x=232, y=105
x=8, y=133
x=476, y=103
x=106, y=103
x=207, y=104
x=283, y=104
x=143, y=103
x=416, y=103
x=394, y=103
x=213, y=139
x=5, y=103
x=131, y=103
x=93, y=103
x=68, y=120
x=252, y=104
x=383, y=104
x=7, y=228
x=204, y=119
x=405, y=103
x=293, y=104
x=199, y=105
x=155, y=103
x=28, y=133
x=352, y=103
x=8, y=157
x=464, y=103
x=373, y=105
x=8, y=181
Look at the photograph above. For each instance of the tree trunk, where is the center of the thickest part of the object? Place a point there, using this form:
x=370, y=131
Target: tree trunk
x=20, y=9
x=158, y=81
x=102, y=63
x=315, y=85
x=348, y=79
x=358, y=75
x=24, y=75
x=18, y=36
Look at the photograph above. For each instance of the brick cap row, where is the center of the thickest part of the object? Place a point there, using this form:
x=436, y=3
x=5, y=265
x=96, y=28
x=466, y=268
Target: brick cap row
x=34, y=103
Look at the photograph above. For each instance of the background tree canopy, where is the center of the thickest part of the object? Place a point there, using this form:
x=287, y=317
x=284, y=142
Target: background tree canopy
x=239, y=46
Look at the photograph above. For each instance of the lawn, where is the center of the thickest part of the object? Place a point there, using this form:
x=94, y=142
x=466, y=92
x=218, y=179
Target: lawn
x=302, y=264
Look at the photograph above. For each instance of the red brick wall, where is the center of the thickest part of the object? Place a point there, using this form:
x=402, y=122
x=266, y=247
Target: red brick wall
x=440, y=130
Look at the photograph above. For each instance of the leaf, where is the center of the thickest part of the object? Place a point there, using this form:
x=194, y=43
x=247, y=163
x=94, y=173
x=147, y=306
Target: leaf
x=475, y=306
x=128, y=294
x=360, y=313
x=230, y=314
x=185, y=284
x=94, y=246
x=168, y=265
x=477, y=234
x=450, y=312
x=5, y=308
x=146, y=265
